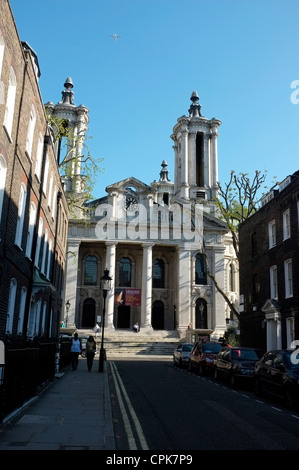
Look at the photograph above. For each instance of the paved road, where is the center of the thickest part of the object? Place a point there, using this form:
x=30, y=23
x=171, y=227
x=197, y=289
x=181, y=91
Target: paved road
x=159, y=407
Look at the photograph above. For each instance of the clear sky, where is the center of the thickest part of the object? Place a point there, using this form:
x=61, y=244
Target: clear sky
x=241, y=56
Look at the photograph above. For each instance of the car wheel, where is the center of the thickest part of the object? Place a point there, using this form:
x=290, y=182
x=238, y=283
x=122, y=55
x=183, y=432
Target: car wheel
x=173, y=361
x=215, y=373
x=180, y=363
x=200, y=369
x=190, y=366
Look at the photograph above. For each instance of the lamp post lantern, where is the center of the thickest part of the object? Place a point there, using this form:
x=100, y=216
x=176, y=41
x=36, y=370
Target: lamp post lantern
x=105, y=287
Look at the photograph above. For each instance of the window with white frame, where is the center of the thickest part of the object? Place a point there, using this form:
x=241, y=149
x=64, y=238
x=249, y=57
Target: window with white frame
x=10, y=101
x=3, y=171
x=32, y=220
x=43, y=319
x=22, y=310
x=49, y=259
x=30, y=132
x=50, y=191
x=54, y=200
x=46, y=174
x=21, y=215
x=286, y=224
x=11, y=306
x=45, y=252
x=273, y=282
x=272, y=233
x=39, y=241
x=288, y=278
x=39, y=155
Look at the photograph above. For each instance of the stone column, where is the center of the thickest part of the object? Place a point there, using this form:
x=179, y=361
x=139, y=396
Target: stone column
x=214, y=164
x=206, y=161
x=184, y=287
x=184, y=186
x=71, y=282
x=146, y=294
x=110, y=265
x=192, y=158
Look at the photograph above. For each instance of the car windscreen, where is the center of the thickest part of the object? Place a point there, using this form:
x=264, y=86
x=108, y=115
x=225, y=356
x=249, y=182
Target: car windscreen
x=211, y=348
x=187, y=347
x=245, y=354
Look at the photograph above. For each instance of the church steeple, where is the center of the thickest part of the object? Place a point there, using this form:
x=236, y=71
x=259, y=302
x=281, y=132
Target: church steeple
x=196, y=157
x=76, y=120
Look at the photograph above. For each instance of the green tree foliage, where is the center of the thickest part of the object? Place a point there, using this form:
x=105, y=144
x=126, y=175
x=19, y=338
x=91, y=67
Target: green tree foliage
x=79, y=184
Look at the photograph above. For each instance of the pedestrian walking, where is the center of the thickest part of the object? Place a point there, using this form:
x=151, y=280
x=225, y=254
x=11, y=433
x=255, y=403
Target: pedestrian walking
x=97, y=329
x=76, y=348
x=90, y=352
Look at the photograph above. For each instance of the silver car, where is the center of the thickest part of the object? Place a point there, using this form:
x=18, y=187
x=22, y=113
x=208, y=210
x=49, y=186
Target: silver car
x=181, y=355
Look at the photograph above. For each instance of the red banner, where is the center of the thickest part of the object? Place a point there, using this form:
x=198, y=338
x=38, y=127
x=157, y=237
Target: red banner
x=128, y=297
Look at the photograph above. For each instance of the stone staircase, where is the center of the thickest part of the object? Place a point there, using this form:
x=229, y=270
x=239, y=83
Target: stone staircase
x=125, y=343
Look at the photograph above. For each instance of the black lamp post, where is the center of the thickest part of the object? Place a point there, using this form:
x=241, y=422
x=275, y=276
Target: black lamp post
x=67, y=306
x=105, y=287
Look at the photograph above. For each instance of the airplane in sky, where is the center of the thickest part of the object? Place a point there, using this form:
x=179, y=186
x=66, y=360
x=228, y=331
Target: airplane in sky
x=114, y=36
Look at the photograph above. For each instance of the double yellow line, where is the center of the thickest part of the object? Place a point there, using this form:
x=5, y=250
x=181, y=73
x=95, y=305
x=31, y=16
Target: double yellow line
x=121, y=392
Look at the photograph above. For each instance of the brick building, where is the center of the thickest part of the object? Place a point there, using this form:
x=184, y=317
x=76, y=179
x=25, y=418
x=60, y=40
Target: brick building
x=269, y=269
x=33, y=208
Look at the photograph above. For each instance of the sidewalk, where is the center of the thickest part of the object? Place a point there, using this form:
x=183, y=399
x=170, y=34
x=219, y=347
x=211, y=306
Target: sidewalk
x=72, y=413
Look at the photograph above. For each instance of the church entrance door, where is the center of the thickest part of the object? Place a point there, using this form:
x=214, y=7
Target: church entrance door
x=123, y=316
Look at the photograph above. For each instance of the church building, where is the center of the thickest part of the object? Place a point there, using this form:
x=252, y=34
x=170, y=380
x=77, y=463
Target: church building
x=159, y=240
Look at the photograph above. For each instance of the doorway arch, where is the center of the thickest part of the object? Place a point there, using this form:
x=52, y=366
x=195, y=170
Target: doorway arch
x=158, y=315
x=89, y=313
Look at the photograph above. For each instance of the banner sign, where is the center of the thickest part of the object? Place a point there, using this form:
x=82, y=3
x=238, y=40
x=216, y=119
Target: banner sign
x=128, y=297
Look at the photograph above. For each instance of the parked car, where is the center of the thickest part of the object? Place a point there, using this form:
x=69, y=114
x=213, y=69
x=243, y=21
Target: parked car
x=277, y=374
x=181, y=355
x=203, y=355
x=236, y=363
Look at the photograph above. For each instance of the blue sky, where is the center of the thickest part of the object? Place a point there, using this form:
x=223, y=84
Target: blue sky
x=241, y=56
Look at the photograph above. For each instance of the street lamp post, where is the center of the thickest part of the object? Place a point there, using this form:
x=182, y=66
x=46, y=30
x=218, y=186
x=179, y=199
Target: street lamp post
x=67, y=307
x=105, y=287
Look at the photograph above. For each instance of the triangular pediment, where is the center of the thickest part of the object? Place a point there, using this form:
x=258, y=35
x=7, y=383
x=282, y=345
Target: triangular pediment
x=130, y=182
x=271, y=306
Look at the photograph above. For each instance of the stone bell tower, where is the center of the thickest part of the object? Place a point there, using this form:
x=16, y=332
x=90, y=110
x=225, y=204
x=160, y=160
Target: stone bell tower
x=196, y=157
x=76, y=120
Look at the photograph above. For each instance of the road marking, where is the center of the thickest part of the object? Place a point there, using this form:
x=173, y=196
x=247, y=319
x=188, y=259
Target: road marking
x=132, y=442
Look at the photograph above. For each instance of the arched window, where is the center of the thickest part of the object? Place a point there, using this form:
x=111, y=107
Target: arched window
x=200, y=269
x=11, y=306
x=39, y=155
x=21, y=215
x=91, y=271
x=30, y=132
x=10, y=101
x=158, y=273
x=125, y=272
x=32, y=220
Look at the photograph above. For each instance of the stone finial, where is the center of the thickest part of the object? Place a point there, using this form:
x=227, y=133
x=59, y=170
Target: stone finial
x=194, y=110
x=68, y=94
x=164, y=172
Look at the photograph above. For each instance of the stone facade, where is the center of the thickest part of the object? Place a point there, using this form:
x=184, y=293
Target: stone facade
x=157, y=240
x=33, y=209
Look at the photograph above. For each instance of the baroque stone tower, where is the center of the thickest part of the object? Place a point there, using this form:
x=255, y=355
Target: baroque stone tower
x=196, y=156
x=75, y=119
